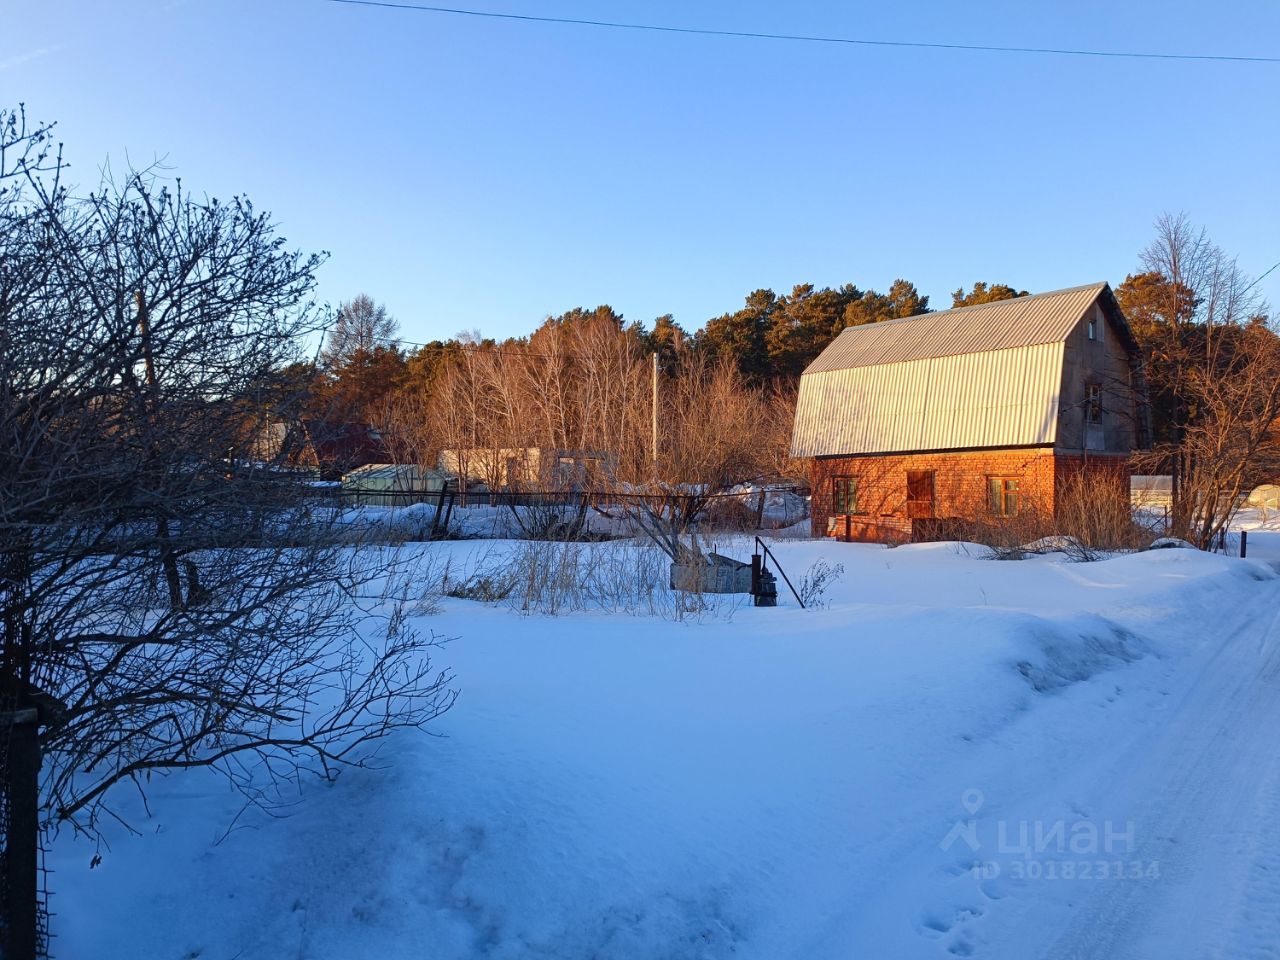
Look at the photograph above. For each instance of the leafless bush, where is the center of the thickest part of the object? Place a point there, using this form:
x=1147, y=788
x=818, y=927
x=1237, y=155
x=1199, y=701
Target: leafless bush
x=558, y=577
x=486, y=578
x=708, y=445
x=1095, y=517
x=1214, y=355
x=816, y=580
x=626, y=576
x=550, y=519
x=1092, y=518
x=1014, y=537
x=162, y=593
x=730, y=514
x=548, y=577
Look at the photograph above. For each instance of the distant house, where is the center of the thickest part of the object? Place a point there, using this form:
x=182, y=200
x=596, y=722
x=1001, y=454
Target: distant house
x=918, y=426
x=527, y=467
x=331, y=448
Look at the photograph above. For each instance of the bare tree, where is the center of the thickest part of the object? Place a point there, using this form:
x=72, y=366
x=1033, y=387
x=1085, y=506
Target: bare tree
x=166, y=600
x=1212, y=350
x=360, y=326
x=709, y=443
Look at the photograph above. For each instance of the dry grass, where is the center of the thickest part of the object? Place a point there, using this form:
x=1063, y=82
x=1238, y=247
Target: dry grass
x=553, y=578
x=1091, y=521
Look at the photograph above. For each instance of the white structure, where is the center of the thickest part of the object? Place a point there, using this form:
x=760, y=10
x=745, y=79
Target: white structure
x=391, y=484
x=529, y=467
x=1151, y=490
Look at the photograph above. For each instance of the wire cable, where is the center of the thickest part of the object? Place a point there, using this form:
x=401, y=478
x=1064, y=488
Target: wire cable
x=1262, y=276
x=804, y=38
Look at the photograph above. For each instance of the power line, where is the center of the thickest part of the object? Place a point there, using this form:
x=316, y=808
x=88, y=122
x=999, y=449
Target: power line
x=802, y=38
x=1257, y=280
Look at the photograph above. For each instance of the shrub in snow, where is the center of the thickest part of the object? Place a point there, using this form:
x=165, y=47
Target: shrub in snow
x=1089, y=520
x=553, y=578
x=814, y=583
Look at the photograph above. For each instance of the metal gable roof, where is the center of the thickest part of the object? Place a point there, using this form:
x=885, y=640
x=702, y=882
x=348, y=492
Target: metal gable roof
x=983, y=376
x=1020, y=322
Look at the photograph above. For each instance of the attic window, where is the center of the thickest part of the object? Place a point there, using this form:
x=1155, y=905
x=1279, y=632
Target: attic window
x=1093, y=403
x=1093, y=328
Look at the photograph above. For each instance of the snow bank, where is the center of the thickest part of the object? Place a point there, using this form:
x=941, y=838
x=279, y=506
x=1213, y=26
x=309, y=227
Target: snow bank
x=766, y=783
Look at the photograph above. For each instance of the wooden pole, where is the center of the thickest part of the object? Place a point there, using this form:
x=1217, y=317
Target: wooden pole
x=22, y=839
x=653, y=440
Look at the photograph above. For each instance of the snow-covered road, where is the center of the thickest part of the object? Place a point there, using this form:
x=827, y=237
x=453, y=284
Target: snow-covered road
x=1202, y=785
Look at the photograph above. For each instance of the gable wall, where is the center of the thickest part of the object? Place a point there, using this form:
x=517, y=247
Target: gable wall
x=1105, y=362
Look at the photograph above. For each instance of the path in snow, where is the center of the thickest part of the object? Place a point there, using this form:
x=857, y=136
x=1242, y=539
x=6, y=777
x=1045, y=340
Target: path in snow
x=1205, y=788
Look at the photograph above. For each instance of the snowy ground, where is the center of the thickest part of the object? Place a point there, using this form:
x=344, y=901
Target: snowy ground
x=956, y=757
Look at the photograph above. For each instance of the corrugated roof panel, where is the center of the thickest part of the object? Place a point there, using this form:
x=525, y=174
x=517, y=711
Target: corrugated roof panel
x=998, y=398
x=1021, y=322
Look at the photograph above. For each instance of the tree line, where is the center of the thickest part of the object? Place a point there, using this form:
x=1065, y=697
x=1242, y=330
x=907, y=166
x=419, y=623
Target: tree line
x=581, y=380
x=364, y=365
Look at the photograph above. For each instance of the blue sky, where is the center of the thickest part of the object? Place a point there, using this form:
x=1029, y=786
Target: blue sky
x=480, y=174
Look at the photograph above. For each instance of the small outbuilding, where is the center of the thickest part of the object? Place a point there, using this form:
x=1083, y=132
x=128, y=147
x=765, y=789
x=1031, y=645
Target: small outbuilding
x=391, y=484
x=918, y=426
x=516, y=468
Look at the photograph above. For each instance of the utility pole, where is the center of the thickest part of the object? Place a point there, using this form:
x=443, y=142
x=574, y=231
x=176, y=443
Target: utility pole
x=653, y=441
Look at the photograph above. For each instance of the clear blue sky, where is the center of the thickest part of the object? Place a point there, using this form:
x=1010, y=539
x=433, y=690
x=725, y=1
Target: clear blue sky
x=481, y=174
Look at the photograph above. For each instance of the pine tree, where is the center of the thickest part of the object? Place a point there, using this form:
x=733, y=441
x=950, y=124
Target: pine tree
x=982, y=293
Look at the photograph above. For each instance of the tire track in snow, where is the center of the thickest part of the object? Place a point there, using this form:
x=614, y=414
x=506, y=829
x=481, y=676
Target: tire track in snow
x=1208, y=792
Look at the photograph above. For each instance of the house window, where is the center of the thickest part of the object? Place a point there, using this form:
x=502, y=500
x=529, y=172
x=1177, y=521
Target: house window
x=1004, y=495
x=1093, y=403
x=844, y=495
x=1093, y=328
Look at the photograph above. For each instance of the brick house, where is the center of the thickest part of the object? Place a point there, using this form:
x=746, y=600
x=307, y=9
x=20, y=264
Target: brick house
x=920, y=426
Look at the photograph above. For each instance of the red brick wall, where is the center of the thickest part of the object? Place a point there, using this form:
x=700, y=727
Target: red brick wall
x=961, y=489
x=1106, y=475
